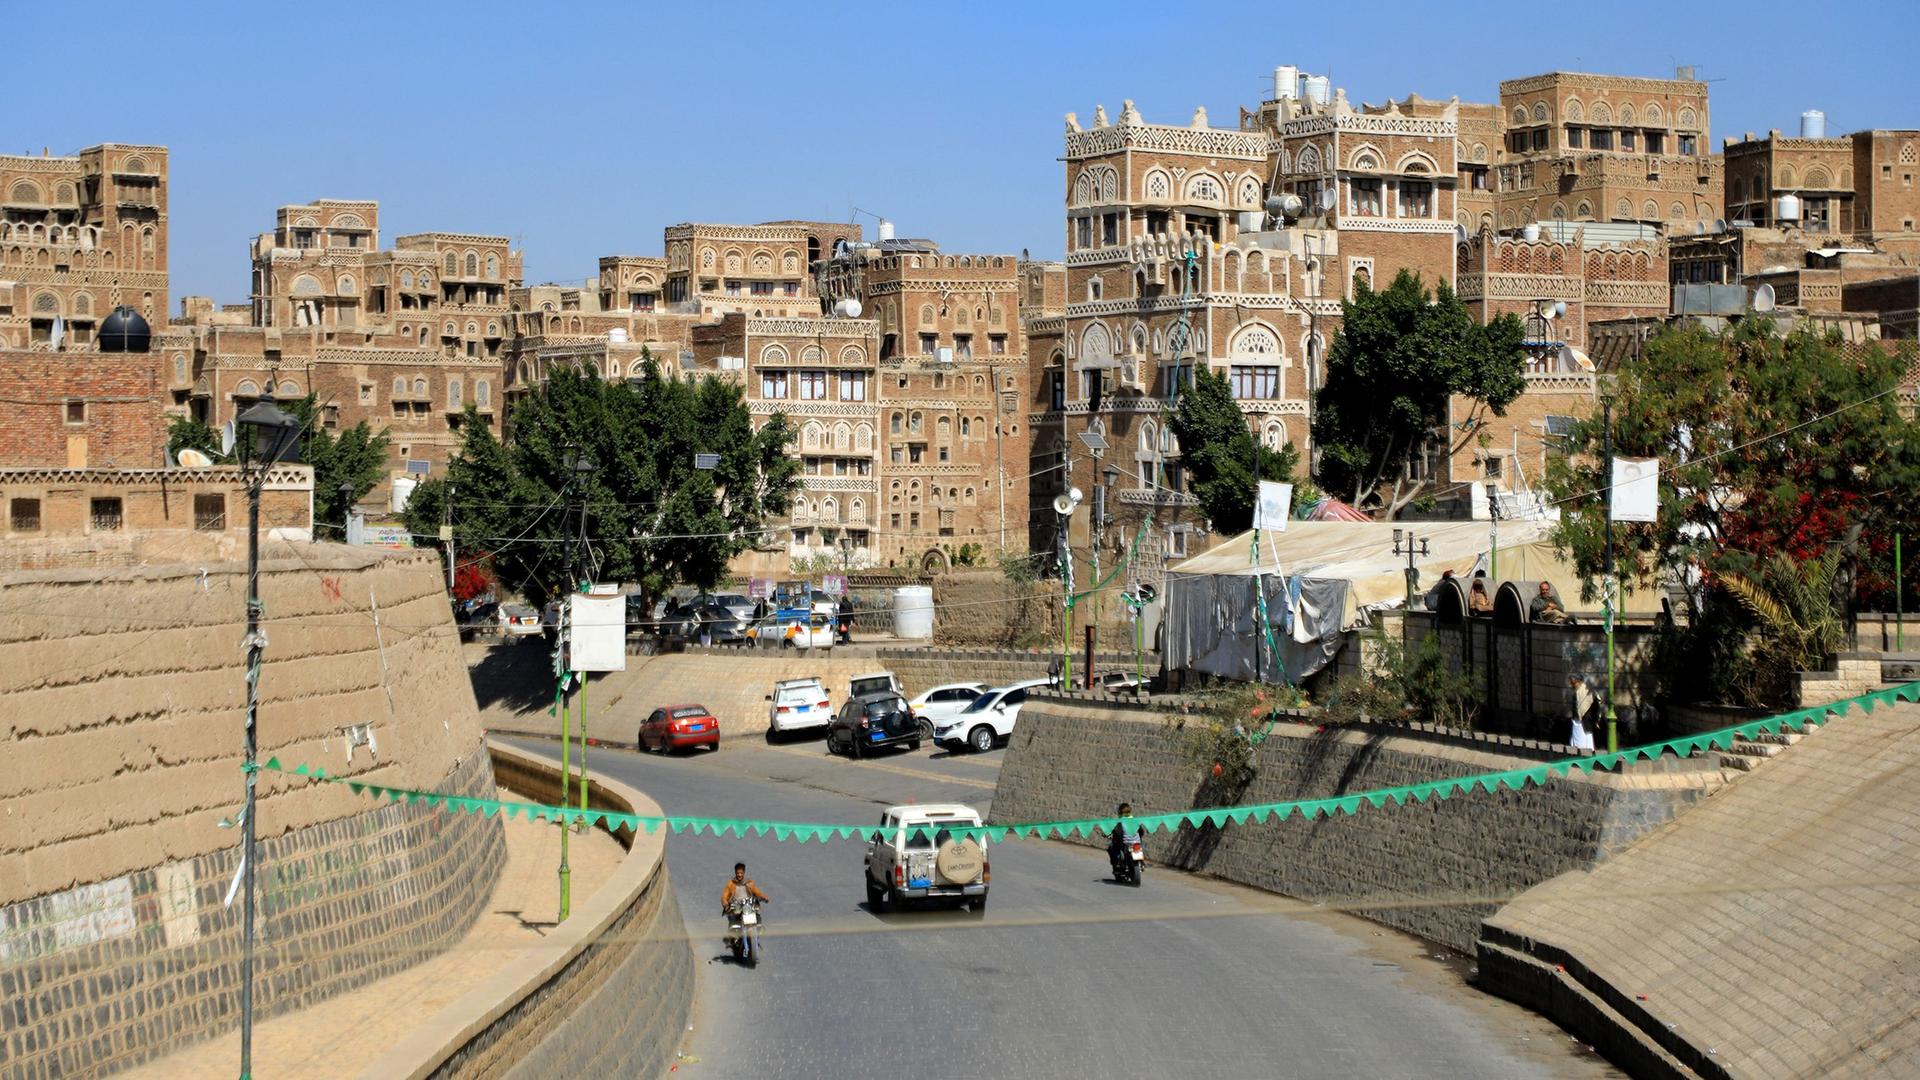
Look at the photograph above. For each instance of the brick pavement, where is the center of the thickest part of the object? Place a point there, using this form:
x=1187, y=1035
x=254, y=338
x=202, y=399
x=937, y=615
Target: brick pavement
x=341, y=1036
x=1772, y=932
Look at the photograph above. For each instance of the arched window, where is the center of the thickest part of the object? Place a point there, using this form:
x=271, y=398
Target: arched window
x=493, y=265
x=482, y=393
x=452, y=266
x=399, y=386
x=1256, y=341
x=453, y=393
x=473, y=264
x=419, y=388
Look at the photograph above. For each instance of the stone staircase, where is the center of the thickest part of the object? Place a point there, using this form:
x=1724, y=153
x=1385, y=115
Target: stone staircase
x=1747, y=755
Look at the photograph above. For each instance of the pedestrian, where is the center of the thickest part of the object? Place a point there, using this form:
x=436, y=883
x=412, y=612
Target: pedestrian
x=1584, y=706
x=1054, y=667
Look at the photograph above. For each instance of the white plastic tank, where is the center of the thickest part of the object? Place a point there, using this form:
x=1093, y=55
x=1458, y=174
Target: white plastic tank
x=1530, y=232
x=1319, y=89
x=913, y=612
x=1286, y=82
x=617, y=335
x=402, y=492
x=1251, y=220
x=1813, y=124
x=1787, y=208
x=886, y=229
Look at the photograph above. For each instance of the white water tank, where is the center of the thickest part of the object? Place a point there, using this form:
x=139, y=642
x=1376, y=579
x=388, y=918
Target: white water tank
x=1813, y=124
x=1530, y=232
x=1787, y=208
x=617, y=335
x=886, y=229
x=1286, y=82
x=1319, y=89
x=402, y=492
x=913, y=612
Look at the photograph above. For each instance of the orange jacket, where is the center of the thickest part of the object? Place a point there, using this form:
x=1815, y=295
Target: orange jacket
x=726, y=894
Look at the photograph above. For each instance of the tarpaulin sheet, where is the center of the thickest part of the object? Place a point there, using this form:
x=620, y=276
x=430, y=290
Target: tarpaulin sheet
x=1320, y=579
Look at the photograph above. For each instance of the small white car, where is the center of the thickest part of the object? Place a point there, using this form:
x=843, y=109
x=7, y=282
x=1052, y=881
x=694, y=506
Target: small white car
x=942, y=703
x=988, y=720
x=874, y=682
x=518, y=621
x=914, y=858
x=798, y=705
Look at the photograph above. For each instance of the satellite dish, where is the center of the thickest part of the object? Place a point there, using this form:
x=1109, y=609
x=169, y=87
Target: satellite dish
x=1327, y=199
x=189, y=458
x=226, y=438
x=1763, y=299
x=1063, y=505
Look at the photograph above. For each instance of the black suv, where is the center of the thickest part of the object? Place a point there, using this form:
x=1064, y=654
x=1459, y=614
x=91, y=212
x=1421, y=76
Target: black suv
x=871, y=721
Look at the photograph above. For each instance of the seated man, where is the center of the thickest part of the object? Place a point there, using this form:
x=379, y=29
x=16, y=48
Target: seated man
x=1546, y=608
x=1478, y=602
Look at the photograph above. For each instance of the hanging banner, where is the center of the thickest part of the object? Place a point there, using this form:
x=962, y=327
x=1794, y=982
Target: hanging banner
x=1636, y=489
x=1274, y=507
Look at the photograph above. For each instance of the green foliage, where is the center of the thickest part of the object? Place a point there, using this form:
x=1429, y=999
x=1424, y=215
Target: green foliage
x=1766, y=443
x=1800, y=627
x=1406, y=684
x=1220, y=453
x=355, y=458
x=968, y=554
x=651, y=517
x=1019, y=567
x=1401, y=356
x=187, y=433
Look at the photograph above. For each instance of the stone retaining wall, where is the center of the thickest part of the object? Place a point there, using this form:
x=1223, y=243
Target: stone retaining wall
x=611, y=994
x=105, y=976
x=1435, y=869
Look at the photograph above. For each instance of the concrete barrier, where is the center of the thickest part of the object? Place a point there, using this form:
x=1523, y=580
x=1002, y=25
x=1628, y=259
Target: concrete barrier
x=606, y=994
x=1435, y=869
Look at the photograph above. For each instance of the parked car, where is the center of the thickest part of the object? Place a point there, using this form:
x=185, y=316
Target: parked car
x=943, y=703
x=1121, y=681
x=740, y=605
x=870, y=722
x=797, y=705
x=475, y=617
x=874, y=682
x=988, y=721
x=720, y=625
x=794, y=629
x=678, y=727
x=518, y=621
x=916, y=858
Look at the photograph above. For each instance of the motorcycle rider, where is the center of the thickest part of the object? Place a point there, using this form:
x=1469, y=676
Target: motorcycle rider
x=744, y=884
x=1123, y=837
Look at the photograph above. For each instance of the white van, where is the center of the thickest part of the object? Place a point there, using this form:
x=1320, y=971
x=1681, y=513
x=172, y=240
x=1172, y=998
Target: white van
x=915, y=858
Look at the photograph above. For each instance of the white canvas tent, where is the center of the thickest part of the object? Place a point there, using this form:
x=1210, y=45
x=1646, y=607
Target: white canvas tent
x=1320, y=579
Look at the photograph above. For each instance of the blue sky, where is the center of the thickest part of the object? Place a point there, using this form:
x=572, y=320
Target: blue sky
x=582, y=129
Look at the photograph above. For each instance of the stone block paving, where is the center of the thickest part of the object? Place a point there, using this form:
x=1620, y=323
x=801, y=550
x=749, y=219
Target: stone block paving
x=343, y=1035
x=1774, y=931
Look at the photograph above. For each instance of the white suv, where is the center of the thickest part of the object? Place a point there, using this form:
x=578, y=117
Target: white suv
x=915, y=858
x=798, y=705
x=988, y=721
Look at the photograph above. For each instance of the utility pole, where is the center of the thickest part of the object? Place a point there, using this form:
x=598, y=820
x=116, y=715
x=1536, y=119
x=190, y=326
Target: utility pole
x=1606, y=442
x=999, y=449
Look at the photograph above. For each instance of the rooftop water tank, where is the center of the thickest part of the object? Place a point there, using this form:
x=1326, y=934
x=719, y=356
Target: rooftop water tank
x=124, y=330
x=1319, y=89
x=1286, y=82
x=1787, y=208
x=1813, y=124
x=886, y=229
x=1530, y=232
x=913, y=612
x=402, y=492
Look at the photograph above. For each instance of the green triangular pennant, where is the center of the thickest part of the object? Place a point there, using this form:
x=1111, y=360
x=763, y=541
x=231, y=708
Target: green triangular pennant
x=995, y=834
x=272, y=763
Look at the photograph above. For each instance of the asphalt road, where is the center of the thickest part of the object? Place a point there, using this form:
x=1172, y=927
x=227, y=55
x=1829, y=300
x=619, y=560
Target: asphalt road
x=1065, y=974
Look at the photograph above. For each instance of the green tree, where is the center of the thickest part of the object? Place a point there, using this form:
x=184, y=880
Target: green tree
x=355, y=459
x=1401, y=357
x=1766, y=443
x=1220, y=454
x=489, y=502
x=187, y=433
x=651, y=516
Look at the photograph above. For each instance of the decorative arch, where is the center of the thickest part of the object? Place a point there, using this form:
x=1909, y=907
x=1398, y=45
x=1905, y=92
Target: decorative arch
x=1274, y=434
x=926, y=314
x=1687, y=118
x=1559, y=211
x=306, y=285
x=1255, y=341
x=762, y=262
x=1083, y=188
x=1623, y=208
x=790, y=260
x=1309, y=159
x=1418, y=162
x=1158, y=184
x=1520, y=114
x=347, y=285
x=1365, y=156
x=1480, y=153
x=25, y=191
x=1109, y=184
x=1095, y=344
x=1650, y=210
x=1626, y=112
x=1250, y=192
x=82, y=304
x=1541, y=112
x=451, y=265
x=774, y=353
x=1203, y=187
x=1653, y=114
x=247, y=388
x=1582, y=212
x=810, y=435
x=1677, y=211
x=493, y=266
x=1572, y=111
x=853, y=354
x=1818, y=178
x=863, y=438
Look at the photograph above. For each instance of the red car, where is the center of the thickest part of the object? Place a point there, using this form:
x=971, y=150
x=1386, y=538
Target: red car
x=677, y=727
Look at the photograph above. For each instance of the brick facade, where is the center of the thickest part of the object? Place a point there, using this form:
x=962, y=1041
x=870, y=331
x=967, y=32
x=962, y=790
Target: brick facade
x=69, y=517
x=81, y=410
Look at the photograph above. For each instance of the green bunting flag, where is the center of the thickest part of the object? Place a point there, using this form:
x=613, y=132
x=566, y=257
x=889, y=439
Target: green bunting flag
x=1493, y=783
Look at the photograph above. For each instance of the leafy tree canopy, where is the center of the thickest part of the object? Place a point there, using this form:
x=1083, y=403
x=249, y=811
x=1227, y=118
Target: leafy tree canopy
x=1401, y=355
x=651, y=516
x=1221, y=456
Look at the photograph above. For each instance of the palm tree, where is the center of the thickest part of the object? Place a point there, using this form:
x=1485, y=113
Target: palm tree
x=1801, y=624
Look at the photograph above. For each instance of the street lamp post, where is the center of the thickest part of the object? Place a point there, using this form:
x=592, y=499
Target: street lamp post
x=578, y=467
x=270, y=435
x=1411, y=547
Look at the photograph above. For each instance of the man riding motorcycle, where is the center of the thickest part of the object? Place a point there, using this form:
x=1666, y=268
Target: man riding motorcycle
x=740, y=891
x=1121, y=844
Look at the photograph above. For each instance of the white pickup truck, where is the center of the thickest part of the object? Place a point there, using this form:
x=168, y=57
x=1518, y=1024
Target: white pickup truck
x=915, y=858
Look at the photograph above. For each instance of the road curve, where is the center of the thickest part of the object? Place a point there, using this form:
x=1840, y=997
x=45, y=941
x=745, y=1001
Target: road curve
x=1065, y=974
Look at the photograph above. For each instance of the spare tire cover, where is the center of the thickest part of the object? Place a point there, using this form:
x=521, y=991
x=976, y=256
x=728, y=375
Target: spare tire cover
x=960, y=861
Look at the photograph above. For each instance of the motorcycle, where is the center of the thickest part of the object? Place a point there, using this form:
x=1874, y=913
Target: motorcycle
x=1129, y=860
x=743, y=929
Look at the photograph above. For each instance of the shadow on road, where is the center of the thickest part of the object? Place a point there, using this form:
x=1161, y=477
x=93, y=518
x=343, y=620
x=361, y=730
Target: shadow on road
x=517, y=676
x=536, y=925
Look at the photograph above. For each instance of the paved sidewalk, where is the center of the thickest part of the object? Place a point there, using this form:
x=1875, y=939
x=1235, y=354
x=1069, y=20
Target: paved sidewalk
x=345, y=1034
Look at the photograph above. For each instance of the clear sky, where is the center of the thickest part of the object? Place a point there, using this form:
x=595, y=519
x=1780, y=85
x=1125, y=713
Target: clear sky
x=582, y=129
